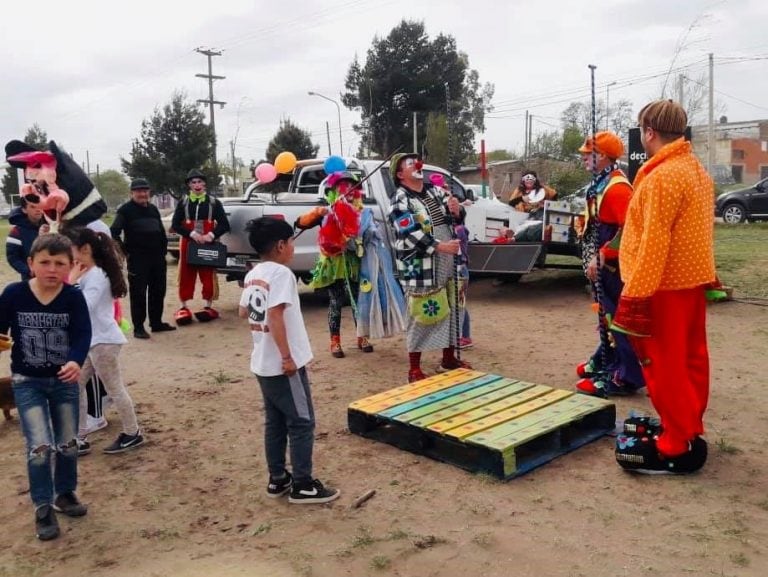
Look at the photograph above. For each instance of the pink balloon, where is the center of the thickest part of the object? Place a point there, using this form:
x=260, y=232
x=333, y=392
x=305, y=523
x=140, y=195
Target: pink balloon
x=265, y=173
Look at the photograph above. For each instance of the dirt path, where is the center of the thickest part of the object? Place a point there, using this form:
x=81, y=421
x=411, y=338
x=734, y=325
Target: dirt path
x=192, y=502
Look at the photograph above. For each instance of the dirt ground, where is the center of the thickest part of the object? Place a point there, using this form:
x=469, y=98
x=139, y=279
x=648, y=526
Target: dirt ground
x=192, y=502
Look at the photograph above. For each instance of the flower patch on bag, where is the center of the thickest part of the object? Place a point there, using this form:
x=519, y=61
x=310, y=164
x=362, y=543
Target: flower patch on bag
x=430, y=308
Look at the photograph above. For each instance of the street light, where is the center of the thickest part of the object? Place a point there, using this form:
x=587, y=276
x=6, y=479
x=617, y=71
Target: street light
x=338, y=109
x=607, y=110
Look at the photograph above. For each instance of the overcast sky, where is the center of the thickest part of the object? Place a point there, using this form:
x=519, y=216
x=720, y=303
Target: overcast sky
x=88, y=72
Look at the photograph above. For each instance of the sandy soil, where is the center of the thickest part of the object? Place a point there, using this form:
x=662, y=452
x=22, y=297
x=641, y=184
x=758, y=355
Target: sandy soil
x=192, y=501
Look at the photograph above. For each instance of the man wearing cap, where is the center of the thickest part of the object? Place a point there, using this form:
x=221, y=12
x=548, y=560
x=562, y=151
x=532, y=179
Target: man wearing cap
x=613, y=368
x=199, y=218
x=422, y=216
x=139, y=231
x=667, y=265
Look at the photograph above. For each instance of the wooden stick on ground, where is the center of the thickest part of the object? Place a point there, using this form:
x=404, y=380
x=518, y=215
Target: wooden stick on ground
x=363, y=498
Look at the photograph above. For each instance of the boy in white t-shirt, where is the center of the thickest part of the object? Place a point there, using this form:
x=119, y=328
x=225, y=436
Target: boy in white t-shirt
x=281, y=351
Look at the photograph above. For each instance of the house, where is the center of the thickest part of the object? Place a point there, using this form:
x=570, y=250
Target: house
x=741, y=149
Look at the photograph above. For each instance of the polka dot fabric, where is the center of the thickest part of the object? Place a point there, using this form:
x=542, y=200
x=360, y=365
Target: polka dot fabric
x=668, y=236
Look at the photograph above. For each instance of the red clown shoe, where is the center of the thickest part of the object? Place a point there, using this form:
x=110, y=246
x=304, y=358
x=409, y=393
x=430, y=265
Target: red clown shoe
x=183, y=316
x=207, y=314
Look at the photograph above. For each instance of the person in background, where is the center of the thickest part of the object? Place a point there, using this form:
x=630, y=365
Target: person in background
x=530, y=195
x=26, y=222
x=200, y=218
x=668, y=265
x=138, y=229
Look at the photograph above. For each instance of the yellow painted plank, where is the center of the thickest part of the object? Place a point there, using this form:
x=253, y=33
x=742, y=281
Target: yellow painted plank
x=464, y=402
x=530, y=426
x=476, y=413
x=392, y=397
x=503, y=417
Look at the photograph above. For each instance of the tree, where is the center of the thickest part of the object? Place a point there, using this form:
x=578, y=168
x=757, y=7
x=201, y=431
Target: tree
x=571, y=142
x=173, y=141
x=407, y=72
x=36, y=137
x=113, y=187
x=436, y=141
x=291, y=138
x=578, y=115
x=547, y=144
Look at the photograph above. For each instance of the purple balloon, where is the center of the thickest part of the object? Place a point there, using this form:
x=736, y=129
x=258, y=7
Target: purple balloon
x=265, y=173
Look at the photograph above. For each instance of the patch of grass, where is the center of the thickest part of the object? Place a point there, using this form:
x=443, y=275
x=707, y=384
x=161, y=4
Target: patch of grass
x=741, y=258
x=724, y=446
x=380, y=562
x=484, y=540
x=763, y=504
x=397, y=535
x=222, y=378
x=363, y=538
x=262, y=529
x=740, y=559
x=162, y=534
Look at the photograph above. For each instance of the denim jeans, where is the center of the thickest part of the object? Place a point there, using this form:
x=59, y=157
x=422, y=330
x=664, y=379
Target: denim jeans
x=288, y=414
x=48, y=410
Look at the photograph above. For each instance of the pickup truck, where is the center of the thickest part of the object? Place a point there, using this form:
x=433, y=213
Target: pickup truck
x=484, y=219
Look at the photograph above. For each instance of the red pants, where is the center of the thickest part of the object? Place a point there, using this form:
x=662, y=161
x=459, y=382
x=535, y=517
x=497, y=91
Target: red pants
x=188, y=277
x=677, y=376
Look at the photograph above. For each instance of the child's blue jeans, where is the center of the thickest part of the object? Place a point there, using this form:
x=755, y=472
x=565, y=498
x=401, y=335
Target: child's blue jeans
x=48, y=410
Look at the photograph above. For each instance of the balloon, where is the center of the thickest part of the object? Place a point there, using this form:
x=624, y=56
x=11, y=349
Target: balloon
x=334, y=164
x=265, y=173
x=285, y=162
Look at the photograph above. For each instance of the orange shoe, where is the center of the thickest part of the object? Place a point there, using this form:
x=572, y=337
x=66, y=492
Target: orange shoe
x=336, y=350
x=207, y=314
x=364, y=344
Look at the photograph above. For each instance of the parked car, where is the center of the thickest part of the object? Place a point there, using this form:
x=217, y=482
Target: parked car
x=744, y=204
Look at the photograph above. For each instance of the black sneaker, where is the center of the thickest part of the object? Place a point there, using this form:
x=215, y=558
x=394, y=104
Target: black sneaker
x=312, y=493
x=70, y=505
x=163, y=327
x=639, y=455
x=83, y=447
x=140, y=333
x=46, y=524
x=125, y=443
x=278, y=488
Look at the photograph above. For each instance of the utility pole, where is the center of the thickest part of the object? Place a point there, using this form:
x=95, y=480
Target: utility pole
x=210, y=101
x=88, y=164
x=680, y=88
x=530, y=134
x=711, y=127
x=525, y=138
x=234, y=165
x=328, y=133
x=415, y=139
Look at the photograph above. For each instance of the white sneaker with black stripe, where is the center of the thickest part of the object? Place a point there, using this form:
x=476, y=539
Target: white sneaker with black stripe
x=312, y=493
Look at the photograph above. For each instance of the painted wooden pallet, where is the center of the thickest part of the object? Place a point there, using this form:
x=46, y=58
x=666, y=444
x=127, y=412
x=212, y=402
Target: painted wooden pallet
x=482, y=422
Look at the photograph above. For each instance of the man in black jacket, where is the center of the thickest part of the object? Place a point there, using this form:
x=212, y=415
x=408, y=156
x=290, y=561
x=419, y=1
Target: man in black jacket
x=145, y=242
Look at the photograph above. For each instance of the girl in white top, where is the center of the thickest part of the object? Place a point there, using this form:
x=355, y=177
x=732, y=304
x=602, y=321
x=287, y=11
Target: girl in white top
x=99, y=273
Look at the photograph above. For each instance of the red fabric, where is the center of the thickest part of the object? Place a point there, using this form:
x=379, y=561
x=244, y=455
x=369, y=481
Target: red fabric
x=188, y=274
x=415, y=360
x=613, y=207
x=677, y=376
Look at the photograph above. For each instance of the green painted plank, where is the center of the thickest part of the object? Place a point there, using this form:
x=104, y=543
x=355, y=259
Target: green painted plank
x=565, y=410
x=485, y=411
x=463, y=402
x=498, y=419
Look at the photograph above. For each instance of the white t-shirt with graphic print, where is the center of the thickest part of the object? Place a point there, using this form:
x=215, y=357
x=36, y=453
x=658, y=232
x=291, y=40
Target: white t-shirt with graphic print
x=267, y=285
